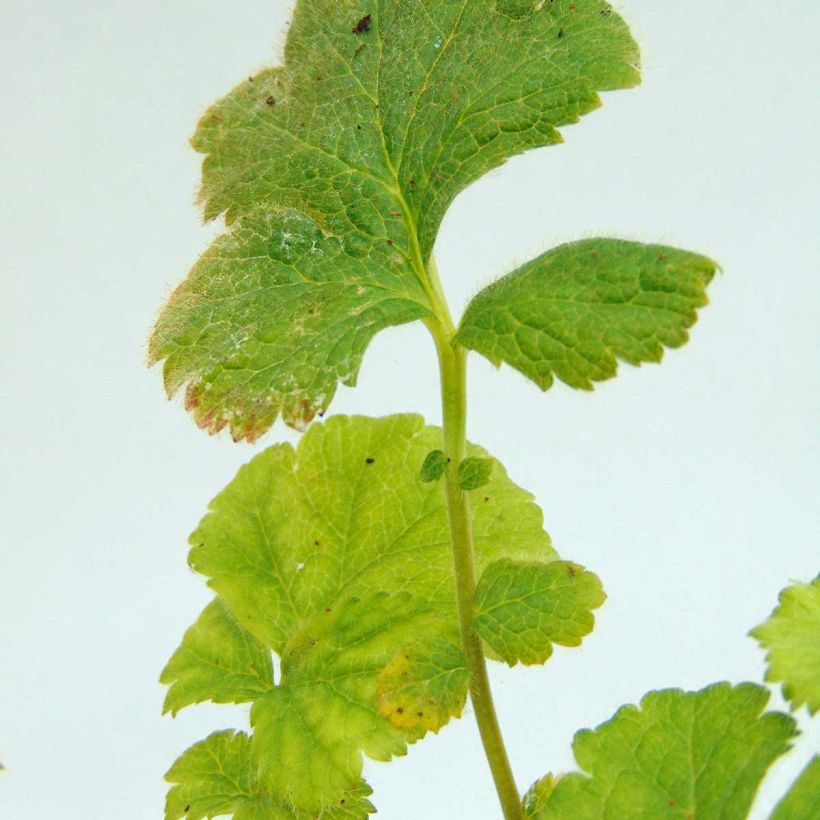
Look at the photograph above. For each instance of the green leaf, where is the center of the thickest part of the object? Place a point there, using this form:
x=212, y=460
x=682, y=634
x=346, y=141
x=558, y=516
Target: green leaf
x=434, y=466
x=791, y=637
x=335, y=171
x=217, y=777
x=802, y=801
x=219, y=661
x=577, y=309
x=679, y=755
x=522, y=609
x=336, y=556
x=474, y=473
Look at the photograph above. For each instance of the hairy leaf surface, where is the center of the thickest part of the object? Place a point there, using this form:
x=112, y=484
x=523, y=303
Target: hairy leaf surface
x=523, y=608
x=574, y=311
x=791, y=637
x=335, y=171
x=217, y=777
x=802, y=801
x=218, y=661
x=678, y=756
x=336, y=556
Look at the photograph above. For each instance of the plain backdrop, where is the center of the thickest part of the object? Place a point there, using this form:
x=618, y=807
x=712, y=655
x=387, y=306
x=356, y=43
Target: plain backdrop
x=691, y=488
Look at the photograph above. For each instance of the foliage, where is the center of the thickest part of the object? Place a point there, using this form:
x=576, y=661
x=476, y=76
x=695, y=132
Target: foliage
x=382, y=560
x=791, y=637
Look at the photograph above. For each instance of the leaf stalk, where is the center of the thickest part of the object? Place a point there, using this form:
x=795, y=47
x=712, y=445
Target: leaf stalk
x=453, y=374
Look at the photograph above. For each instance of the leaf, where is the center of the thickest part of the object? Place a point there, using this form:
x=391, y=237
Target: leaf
x=216, y=777
x=422, y=687
x=680, y=755
x=802, y=801
x=577, y=309
x=522, y=609
x=335, y=171
x=474, y=473
x=337, y=557
x=219, y=661
x=434, y=466
x=791, y=637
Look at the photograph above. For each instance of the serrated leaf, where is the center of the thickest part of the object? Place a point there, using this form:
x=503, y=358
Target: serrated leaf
x=335, y=172
x=218, y=661
x=474, y=473
x=433, y=467
x=574, y=311
x=791, y=637
x=522, y=609
x=216, y=777
x=802, y=801
x=337, y=557
x=680, y=755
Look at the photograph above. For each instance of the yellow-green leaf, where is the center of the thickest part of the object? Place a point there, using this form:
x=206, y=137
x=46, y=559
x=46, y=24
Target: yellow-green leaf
x=218, y=661
x=523, y=608
x=336, y=556
x=791, y=638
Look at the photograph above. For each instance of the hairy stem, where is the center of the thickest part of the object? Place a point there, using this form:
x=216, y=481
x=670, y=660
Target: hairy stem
x=453, y=370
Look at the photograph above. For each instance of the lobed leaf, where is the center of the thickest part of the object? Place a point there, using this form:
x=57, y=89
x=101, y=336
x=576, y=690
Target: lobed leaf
x=802, y=801
x=336, y=556
x=522, y=609
x=218, y=661
x=574, y=311
x=335, y=171
x=676, y=757
x=216, y=777
x=791, y=637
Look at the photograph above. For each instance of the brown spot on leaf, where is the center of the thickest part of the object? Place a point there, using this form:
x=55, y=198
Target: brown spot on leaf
x=369, y=460
x=570, y=570
x=270, y=100
x=661, y=257
x=560, y=33
x=363, y=25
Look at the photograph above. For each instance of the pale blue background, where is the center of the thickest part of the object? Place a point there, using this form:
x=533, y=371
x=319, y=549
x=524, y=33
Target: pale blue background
x=690, y=488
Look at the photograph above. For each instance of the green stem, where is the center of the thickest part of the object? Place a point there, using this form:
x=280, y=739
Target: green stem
x=453, y=368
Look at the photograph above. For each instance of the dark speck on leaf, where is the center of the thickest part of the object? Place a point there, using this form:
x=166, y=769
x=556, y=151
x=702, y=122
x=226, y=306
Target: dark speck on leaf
x=570, y=570
x=359, y=49
x=328, y=609
x=661, y=256
x=390, y=242
x=363, y=25
x=560, y=33
x=486, y=498
x=400, y=711
x=316, y=542
x=270, y=100
x=369, y=460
